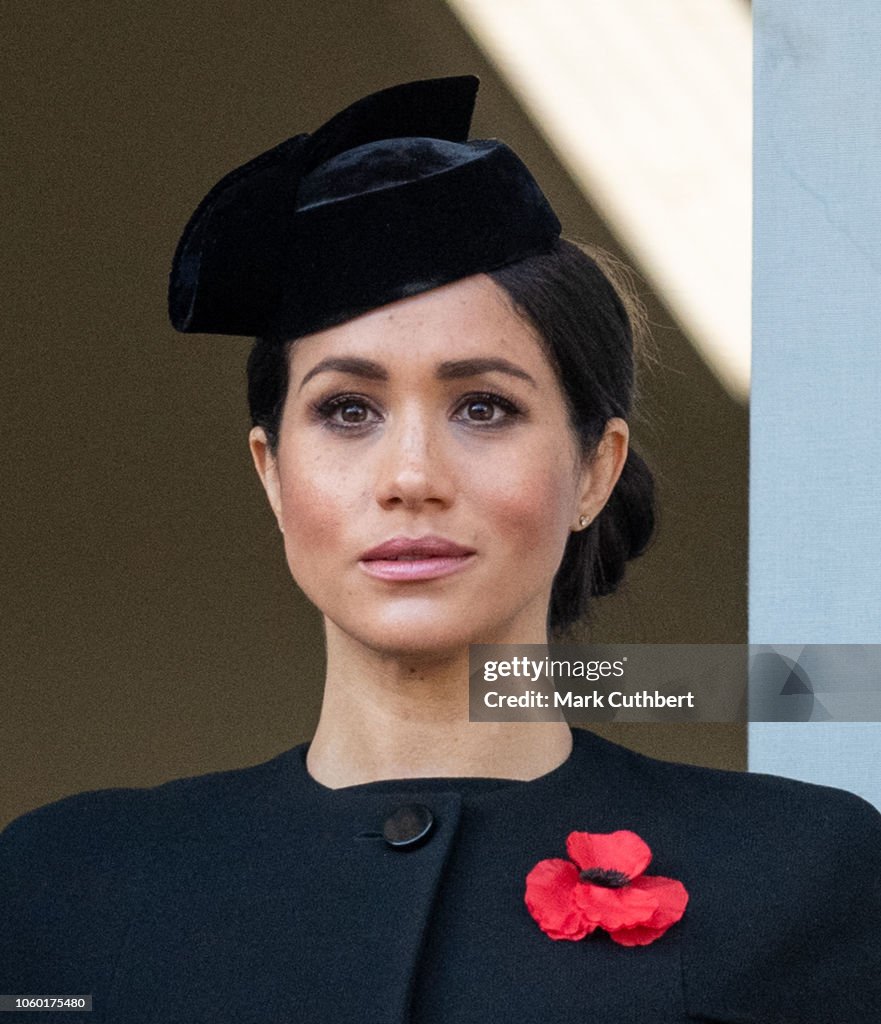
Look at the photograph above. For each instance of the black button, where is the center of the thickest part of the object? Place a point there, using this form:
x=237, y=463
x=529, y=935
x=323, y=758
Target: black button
x=410, y=825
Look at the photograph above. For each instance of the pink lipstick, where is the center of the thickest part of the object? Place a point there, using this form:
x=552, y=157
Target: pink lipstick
x=415, y=558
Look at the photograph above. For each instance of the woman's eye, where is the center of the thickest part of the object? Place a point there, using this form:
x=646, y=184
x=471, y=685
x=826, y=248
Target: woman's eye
x=352, y=412
x=346, y=412
x=487, y=409
x=481, y=410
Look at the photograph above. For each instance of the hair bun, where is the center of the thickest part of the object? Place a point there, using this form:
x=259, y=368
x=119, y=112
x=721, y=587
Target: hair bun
x=595, y=559
x=625, y=525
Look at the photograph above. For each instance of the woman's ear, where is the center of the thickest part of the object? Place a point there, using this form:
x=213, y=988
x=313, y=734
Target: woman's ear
x=267, y=469
x=602, y=471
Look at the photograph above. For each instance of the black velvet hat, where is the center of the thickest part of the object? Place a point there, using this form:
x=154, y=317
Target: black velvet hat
x=385, y=200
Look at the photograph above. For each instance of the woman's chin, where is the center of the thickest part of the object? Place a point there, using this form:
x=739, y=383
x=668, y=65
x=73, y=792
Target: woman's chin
x=416, y=643
x=432, y=638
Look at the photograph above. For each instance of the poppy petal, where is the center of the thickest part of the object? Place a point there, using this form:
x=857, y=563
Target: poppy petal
x=550, y=890
x=639, y=936
x=616, y=908
x=622, y=851
x=671, y=897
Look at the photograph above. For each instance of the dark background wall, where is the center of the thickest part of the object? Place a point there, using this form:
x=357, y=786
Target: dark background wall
x=150, y=628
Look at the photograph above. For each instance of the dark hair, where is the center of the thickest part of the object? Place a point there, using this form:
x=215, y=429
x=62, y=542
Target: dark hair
x=580, y=318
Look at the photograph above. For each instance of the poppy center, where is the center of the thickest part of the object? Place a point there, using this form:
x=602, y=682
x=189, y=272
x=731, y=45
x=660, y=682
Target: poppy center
x=605, y=878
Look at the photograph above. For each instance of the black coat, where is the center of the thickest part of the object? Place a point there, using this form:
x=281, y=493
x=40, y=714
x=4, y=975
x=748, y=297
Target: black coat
x=260, y=895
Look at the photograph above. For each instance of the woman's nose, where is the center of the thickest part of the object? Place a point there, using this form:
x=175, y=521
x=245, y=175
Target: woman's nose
x=413, y=466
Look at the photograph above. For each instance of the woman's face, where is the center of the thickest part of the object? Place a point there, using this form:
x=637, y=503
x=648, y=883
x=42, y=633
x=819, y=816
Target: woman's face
x=427, y=477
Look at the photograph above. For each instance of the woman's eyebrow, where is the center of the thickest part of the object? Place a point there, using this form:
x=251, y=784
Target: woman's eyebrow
x=455, y=369
x=347, y=364
x=451, y=369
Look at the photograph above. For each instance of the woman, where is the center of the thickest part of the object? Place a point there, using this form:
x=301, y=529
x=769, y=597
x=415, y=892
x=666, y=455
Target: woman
x=440, y=396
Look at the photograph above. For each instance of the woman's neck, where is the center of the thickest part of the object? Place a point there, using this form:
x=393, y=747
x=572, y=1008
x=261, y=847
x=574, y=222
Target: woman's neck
x=387, y=717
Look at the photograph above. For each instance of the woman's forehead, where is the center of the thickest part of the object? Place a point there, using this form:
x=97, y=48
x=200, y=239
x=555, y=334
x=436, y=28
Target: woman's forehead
x=468, y=321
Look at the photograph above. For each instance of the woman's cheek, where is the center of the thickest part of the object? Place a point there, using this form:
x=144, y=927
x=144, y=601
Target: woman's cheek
x=314, y=526
x=533, y=509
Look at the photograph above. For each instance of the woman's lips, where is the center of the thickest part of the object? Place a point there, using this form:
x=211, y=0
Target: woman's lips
x=415, y=558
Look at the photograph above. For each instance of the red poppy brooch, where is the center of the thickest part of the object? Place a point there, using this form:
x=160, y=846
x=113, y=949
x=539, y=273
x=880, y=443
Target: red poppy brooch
x=603, y=886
